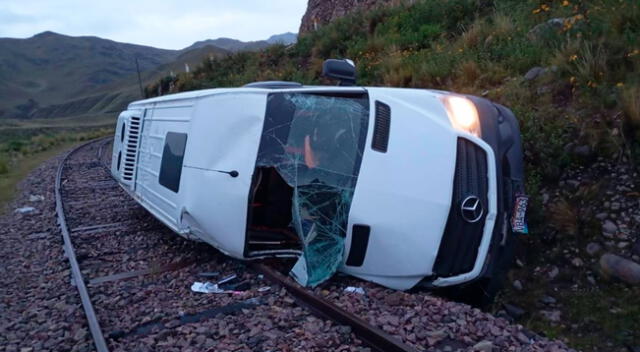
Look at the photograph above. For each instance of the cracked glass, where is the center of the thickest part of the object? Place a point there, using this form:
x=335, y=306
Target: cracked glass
x=315, y=143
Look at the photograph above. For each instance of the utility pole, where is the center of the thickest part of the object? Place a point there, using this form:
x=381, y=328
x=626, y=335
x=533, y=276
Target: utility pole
x=139, y=79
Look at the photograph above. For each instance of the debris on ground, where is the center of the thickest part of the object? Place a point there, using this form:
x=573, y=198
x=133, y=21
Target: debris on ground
x=25, y=210
x=36, y=198
x=206, y=287
x=209, y=274
x=227, y=279
x=352, y=289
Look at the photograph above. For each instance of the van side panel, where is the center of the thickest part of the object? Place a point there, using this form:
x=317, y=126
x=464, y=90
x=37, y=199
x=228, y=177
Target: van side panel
x=161, y=120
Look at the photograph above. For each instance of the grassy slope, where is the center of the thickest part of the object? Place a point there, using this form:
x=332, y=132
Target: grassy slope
x=588, y=97
x=24, y=144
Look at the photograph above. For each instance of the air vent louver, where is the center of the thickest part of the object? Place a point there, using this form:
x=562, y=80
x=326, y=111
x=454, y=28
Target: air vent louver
x=381, y=128
x=131, y=149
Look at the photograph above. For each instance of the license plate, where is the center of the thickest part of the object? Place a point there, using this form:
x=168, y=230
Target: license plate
x=518, y=220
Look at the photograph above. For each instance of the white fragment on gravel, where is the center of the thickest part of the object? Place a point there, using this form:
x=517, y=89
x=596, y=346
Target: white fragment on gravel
x=36, y=198
x=352, y=289
x=25, y=210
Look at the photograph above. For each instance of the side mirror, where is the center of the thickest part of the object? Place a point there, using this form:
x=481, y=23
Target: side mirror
x=342, y=70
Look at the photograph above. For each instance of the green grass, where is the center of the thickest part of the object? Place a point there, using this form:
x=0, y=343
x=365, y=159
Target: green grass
x=25, y=144
x=20, y=169
x=592, y=316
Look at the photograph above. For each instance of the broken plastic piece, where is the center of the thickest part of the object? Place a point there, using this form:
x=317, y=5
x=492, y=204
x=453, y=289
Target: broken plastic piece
x=206, y=287
x=36, y=198
x=209, y=274
x=351, y=289
x=25, y=210
x=227, y=279
x=241, y=286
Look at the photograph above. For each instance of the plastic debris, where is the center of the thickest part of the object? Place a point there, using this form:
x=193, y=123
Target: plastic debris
x=351, y=289
x=238, y=287
x=264, y=289
x=36, y=198
x=209, y=274
x=227, y=279
x=25, y=210
x=206, y=287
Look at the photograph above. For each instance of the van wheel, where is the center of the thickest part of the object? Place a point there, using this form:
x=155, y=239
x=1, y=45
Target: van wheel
x=482, y=292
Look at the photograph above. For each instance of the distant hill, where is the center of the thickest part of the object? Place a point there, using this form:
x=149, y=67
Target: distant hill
x=50, y=67
x=284, y=38
x=114, y=97
x=235, y=45
x=53, y=75
x=232, y=45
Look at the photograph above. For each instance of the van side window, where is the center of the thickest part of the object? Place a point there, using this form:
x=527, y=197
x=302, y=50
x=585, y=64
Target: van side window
x=172, y=157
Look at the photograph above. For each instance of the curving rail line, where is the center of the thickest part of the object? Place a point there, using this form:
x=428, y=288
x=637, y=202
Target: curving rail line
x=377, y=339
x=94, y=325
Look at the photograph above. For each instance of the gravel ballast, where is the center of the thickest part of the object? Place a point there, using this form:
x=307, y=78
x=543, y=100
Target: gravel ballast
x=41, y=309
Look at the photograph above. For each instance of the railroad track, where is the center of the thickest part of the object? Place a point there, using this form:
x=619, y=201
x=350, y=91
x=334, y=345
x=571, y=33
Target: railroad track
x=132, y=275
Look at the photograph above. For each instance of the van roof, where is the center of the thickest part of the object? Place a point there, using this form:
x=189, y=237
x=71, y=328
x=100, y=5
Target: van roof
x=262, y=87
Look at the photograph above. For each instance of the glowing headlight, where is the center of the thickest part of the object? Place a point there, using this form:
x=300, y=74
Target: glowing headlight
x=462, y=113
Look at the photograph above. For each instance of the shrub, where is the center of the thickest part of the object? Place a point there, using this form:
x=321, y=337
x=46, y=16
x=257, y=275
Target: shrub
x=4, y=165
x=630, y=104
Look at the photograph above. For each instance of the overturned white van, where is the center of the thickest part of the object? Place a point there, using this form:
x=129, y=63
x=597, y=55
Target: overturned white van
x=397, y=186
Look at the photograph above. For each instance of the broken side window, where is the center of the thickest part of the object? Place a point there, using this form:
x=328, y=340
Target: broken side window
x=315, y=143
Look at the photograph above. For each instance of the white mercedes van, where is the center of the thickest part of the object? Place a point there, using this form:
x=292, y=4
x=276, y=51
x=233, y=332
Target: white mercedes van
x=402, y=187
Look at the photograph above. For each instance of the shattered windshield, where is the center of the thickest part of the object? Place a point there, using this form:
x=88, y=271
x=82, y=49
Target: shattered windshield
x=315, y=143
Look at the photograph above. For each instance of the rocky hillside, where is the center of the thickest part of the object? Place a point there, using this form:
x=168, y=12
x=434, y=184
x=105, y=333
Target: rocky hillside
x=322, y=12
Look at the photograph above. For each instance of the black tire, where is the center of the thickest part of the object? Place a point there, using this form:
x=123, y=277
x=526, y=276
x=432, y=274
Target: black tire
x=482, y=292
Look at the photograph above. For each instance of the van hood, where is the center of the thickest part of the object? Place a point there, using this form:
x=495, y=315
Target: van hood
x=406, y=190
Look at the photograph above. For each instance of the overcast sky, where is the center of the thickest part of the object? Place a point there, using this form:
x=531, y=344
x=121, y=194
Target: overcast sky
x=169, y=24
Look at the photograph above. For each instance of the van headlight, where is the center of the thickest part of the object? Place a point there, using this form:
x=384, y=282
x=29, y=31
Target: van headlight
x=462, y=113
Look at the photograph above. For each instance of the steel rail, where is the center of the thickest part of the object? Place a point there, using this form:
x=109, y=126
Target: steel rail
x=377, y=339
x=94, y=325
x=371, y=335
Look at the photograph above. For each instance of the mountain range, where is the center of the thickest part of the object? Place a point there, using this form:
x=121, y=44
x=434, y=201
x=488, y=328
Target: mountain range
x=55, y=75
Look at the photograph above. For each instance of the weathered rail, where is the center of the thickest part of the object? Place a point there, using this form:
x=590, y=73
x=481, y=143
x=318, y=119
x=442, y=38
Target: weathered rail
x=377, y=339
x=94, y=325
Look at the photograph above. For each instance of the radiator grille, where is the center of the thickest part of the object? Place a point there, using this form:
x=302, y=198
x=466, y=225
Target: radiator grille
x=131, y=148
x=459, y=247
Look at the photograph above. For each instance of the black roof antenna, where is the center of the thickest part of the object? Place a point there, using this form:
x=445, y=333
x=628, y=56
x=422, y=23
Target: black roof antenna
x=343, y=70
